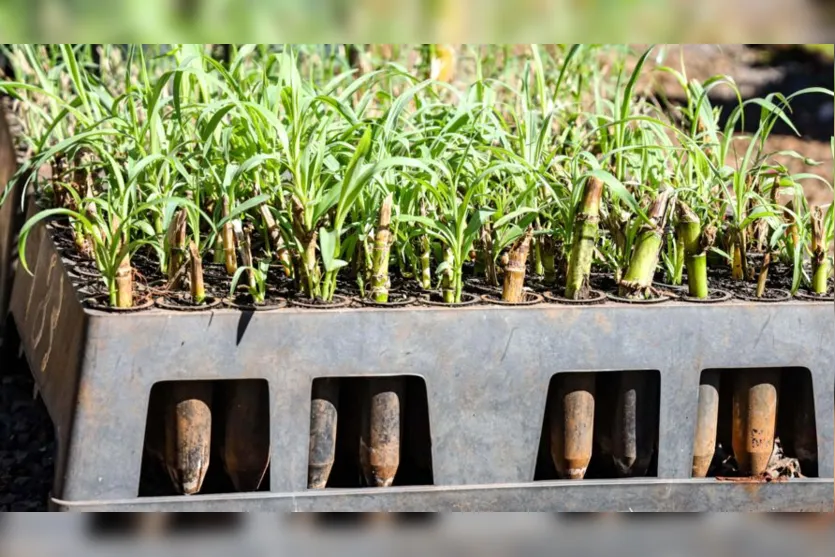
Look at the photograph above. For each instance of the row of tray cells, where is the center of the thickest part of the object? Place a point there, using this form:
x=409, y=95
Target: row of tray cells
x=213, y=437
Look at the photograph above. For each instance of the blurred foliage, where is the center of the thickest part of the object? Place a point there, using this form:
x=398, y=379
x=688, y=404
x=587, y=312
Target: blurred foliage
x=418, y=20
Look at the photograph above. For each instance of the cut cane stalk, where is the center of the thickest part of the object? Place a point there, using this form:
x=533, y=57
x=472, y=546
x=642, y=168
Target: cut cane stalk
x=820, y=259
x=586, y=224
x=245, y=449
x=707, y=420
x=380, y=255
x=638, y=278
x=754, y=419
x=514, y=276
x=572, y=424
x=229, y=257
x=633, y=437
x=324, y=412
x=696, y=244
x=198, y=290
x=381, y=431
x=188, y=434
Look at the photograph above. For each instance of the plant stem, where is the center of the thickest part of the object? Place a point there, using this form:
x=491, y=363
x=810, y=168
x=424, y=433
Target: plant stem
x=124, y=274
x=585, y=235
x=218, y=255
x=198, y=291
x=308, y=266
x=763, y=278
x=549, y=258
x=695, y=250
x=490, y=273
x=514, y=276
x=176, y=239
x=274, y=233
x=538, y=266
x=245, y=247
x=380, y=256
x=228, y=241
x=425, y=255
x=638, y=278
x=447, y=279
x=820, y=261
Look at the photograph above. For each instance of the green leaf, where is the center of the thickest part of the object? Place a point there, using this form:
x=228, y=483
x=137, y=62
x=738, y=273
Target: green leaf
x=327, y=245
x=619, y=191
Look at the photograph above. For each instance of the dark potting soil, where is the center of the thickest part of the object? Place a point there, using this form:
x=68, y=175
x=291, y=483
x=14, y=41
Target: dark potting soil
x=272, y=299
x=480, y=285
x=186, y=302
x=395, y=300
x=748, y=290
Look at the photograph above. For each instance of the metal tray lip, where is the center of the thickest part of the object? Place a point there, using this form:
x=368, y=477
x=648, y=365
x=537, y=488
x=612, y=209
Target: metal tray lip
x=394, y=492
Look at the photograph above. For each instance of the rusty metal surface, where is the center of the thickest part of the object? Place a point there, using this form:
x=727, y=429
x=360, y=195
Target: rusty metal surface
x=487, y=371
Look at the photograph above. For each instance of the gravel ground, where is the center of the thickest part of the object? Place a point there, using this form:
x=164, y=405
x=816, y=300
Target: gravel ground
x=26, y=435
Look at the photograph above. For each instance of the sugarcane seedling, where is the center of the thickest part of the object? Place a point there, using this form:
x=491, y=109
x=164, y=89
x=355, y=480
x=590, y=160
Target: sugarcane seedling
x=198, y=289
x=176, y=247
x=514, y=275
x=754, y=418
x=228, y=240
x=324, y=413
x=696, y=243
x=572, y=424
x=707, y=422
x=820, y=257
x=380, y=282
x=381, y=431
x=245, y=447
x=586, y=222
x=637, y=280
x=634, y=433
x=188, y=434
